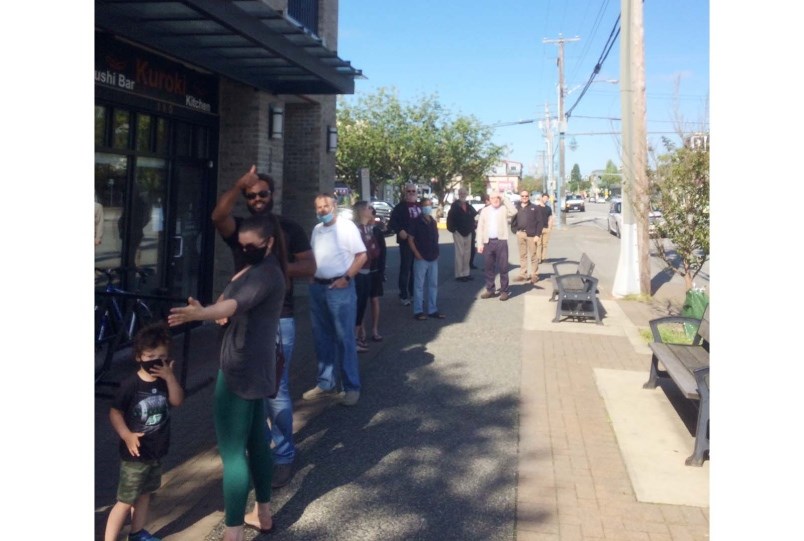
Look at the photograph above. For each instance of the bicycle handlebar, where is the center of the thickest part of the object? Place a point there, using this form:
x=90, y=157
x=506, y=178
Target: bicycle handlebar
x=142, y=271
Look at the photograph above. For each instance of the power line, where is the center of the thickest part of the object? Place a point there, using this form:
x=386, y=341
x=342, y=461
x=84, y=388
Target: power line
x=615, y=32
x=592, y=34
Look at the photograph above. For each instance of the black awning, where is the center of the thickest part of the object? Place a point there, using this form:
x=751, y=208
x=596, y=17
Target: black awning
x=246, y=41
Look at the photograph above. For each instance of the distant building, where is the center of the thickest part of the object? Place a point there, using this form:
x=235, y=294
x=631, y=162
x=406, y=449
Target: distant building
x=505, y=176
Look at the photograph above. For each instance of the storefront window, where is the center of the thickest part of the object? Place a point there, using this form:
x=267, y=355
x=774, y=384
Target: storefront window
x=161, y=136
x=100, y=125
x=143, y=133
x=147, y=212
x=110, y=193
x=120, y=129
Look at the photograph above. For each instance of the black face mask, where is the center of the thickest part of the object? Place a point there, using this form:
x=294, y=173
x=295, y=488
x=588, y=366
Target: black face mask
x=147, y=365
x=252, y=255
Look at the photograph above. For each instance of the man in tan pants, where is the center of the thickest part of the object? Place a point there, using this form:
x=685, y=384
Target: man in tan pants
x=544, y=239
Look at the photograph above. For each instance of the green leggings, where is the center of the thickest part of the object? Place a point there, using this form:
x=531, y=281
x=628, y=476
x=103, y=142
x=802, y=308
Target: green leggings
x=240, y=429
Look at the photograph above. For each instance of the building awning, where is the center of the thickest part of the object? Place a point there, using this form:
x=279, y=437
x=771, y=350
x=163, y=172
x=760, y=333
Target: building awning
x=246, y=41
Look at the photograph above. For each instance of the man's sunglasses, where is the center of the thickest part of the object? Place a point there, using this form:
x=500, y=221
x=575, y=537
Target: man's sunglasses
x=251, y=195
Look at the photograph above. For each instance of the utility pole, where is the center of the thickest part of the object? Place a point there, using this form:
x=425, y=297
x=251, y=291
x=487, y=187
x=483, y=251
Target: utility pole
x=548, y=133
x=542, y=155
x=562, y=123
x=633, y=269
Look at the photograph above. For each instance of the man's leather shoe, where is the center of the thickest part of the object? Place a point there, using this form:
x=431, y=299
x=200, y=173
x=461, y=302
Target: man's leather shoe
x=504, y=296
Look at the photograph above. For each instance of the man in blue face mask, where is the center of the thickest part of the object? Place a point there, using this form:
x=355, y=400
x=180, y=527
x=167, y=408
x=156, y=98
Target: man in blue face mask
x=339, y=254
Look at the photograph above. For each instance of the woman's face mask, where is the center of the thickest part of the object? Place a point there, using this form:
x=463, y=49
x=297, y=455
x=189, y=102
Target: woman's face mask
x=254, y=254
x=427, y=211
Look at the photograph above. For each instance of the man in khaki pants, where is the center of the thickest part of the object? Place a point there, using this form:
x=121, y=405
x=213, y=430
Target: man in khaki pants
x=547, y=216
x=527, y=224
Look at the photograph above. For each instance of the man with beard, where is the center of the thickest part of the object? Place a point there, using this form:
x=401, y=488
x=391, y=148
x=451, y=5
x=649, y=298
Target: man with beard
x=258, y=190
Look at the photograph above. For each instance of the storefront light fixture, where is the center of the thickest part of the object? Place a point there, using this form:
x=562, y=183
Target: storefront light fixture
x=276, y=116
x=332, y=139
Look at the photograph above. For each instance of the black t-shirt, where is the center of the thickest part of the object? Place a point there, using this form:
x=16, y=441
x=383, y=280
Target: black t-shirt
x=145, y=409
x=296, y=242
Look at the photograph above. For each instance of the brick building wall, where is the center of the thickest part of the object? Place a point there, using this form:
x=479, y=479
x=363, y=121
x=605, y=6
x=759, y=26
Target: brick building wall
x=299, y=162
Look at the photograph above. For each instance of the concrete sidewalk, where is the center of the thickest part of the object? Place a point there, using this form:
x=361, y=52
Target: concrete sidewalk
x=486, y=425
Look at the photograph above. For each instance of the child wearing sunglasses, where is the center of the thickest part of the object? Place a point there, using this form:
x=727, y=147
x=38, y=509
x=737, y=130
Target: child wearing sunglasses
x=140, y=414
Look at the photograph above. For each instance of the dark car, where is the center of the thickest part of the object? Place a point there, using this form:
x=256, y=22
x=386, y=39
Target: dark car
x=382, y=211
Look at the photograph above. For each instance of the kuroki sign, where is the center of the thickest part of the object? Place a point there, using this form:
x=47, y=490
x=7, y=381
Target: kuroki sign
x=126, y=68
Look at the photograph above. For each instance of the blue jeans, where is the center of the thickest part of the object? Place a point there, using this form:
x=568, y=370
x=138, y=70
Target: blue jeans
x=425, y=273
x=279, y=410
x=332, y=313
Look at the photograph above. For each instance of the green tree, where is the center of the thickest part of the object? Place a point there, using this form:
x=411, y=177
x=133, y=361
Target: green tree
x=611, y=178
x=681, y=182
x=574, y=184
x=419, y=142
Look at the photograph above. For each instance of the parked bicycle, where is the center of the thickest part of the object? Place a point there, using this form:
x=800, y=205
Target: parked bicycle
x=117, y=310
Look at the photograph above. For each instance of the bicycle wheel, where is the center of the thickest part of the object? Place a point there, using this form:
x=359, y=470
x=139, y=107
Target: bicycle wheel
x=105, y=327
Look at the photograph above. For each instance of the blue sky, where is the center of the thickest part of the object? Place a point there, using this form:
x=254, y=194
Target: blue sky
x=487, y=59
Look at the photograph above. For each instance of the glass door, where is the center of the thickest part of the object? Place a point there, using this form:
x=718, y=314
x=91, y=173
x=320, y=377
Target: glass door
x=188, y=228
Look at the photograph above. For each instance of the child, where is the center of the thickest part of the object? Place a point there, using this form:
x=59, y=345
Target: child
x=140, y=416
x=423, y=241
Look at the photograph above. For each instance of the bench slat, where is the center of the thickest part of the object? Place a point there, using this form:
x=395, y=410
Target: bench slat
x=680, y=361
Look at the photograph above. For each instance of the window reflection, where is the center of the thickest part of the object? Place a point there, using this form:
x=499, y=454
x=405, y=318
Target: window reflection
x=110, y=193
x=144, y=133
x=120, y=129
x=100, y=125
x=147, y=214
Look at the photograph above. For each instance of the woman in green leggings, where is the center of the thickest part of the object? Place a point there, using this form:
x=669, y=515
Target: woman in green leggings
x=249, y=307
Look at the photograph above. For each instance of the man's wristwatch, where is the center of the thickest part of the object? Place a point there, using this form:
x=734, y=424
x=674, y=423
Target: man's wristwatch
x=347, y=278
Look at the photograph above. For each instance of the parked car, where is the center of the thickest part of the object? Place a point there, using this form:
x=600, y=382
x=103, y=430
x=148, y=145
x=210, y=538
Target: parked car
x=574, y=202
x=616, y=218
x=382, y=211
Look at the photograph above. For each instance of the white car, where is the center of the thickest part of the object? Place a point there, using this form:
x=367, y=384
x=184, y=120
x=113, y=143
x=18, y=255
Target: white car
x=616, y=218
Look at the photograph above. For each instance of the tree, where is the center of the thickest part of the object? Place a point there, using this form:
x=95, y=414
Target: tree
x=575, y=179
x=682, y=187
x=611, y=178
x=419, y=142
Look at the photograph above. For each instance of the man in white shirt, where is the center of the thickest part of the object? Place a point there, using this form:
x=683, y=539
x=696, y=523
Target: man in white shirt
x=492, y=242
x=339, y=254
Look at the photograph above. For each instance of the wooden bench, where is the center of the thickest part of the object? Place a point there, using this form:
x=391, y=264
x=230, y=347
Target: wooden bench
x=688, y=367
x=575, y=292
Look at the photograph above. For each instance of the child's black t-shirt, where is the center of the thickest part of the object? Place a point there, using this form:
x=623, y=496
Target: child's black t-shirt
x=145, y=409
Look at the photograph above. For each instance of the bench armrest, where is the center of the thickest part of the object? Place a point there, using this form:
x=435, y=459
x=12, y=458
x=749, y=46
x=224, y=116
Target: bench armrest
x=656, y=323
x=557, y=264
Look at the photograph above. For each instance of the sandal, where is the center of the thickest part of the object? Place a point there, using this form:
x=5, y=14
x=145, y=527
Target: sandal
x=376, y=338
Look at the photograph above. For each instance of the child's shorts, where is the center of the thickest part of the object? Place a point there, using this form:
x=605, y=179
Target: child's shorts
x=138, y=478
